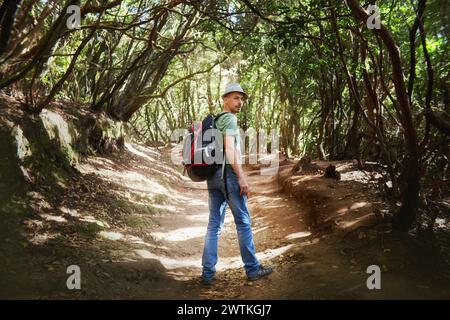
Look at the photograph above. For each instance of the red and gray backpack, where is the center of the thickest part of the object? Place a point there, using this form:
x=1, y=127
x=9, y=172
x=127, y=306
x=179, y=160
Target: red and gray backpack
x=200, y=148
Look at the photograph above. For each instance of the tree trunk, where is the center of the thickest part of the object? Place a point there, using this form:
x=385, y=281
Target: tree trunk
x=7, y=15
x=411, y=183
x=412, y=47
x=44, y=48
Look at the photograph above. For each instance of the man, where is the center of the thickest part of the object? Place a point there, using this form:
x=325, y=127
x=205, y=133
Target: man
x=234, y=193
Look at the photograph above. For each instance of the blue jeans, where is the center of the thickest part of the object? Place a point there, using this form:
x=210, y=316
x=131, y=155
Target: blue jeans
x=217, y=209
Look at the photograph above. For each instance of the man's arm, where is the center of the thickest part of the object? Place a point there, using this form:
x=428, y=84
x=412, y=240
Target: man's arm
x=233, y=157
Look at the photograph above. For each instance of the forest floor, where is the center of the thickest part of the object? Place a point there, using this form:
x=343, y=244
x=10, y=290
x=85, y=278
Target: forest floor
x=135, y=227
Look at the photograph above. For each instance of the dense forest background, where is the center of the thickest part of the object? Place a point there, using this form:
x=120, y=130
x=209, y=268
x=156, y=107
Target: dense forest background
x=334, y=88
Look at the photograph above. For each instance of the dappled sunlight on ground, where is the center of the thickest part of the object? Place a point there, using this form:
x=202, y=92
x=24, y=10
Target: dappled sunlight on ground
x=259, y=230
x=352, y=206
x=443, y=223
x=309, y=242
x=269, y=171
x=300, y=180
x=92, y=219
x=229, y=219
x=70, y=212
x=131, y=179
x=137, y=240
x=169, y=263
x=259, y=219
x=354, y=222
x=191, y=201
x=40, y=239
x=111, y=235
x=262, y=198
x=84, y=218
x=298, y=235
x=167, y=208
x=132, y=149
x=141, y=149
x=348, y=166
x=201, y=217
x=181, y=234
x=273, y=252
x=150, y=161
x=127, y=238
x=225, y=263
x=154, y=157
x=358, y=205
x=100, y=161
x=48, y=217
x=157, y=221
x=350, y=172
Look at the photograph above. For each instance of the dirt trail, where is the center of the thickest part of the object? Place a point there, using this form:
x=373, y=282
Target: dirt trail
x=311, y=257
x=153, y=225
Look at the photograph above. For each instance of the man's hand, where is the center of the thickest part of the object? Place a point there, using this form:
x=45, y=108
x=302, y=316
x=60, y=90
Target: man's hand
x=243, y=185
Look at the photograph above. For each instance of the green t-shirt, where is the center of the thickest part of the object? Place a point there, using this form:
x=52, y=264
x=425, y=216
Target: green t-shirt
x=227, y=125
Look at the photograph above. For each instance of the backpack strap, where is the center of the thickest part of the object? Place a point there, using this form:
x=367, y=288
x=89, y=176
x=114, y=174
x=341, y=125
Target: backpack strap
x=219, y=115
x=224, y=174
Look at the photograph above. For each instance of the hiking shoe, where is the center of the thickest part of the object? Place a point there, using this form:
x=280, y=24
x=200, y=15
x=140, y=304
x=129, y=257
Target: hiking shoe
x=208, y=282
x=262, y=272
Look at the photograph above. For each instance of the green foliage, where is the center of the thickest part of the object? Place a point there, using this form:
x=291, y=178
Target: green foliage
x=136, y=222
x=88, y=229
x=160, y=198
x=313, y=70
x=136, y=208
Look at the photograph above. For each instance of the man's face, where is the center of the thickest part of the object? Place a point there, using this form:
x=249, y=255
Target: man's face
x=234, y=101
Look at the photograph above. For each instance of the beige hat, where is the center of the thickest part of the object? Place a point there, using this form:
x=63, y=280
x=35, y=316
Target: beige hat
x=234, y=87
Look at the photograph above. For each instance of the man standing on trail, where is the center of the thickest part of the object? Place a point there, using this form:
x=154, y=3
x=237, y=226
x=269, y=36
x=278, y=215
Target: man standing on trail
x=233, y=191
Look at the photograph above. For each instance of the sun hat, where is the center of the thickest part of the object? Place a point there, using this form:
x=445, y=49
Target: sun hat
x=234, y=87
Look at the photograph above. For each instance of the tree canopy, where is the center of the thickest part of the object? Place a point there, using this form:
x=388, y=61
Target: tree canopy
x=335, y=88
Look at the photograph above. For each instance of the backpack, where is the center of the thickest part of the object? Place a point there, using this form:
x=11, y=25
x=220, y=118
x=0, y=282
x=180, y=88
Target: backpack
x=199, y=152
